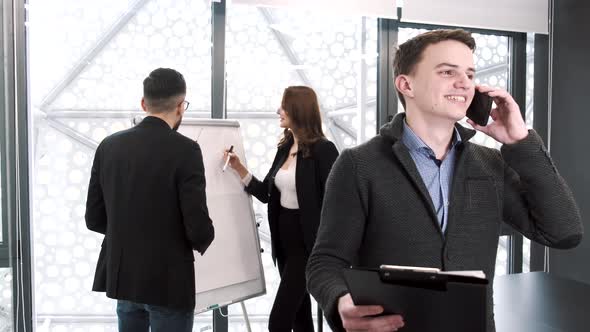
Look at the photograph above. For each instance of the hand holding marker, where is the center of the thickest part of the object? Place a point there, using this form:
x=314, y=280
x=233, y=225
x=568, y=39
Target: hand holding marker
x=231, y=148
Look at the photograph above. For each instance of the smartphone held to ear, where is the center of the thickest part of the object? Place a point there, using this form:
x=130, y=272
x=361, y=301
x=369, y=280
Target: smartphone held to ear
x=480, y=108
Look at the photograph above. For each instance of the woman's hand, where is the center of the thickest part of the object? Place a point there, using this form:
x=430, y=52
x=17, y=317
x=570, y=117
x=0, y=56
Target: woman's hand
x=235, y=163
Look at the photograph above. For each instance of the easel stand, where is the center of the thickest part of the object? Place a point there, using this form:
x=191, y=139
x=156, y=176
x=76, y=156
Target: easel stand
x=220, y=321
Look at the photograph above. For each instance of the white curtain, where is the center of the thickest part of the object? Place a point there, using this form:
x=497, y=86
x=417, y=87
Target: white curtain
x=506, y=15
x=371, y=8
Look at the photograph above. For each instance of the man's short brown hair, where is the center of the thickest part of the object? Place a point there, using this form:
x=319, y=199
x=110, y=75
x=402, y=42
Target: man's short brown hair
x=410, y=52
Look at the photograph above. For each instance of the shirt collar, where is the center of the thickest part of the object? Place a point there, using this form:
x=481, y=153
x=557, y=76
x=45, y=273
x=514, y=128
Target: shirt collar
x=155, y=121
x=414, y=143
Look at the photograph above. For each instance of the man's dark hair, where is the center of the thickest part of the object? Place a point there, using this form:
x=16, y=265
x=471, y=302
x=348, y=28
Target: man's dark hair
x=162, y=89
x=410, y=53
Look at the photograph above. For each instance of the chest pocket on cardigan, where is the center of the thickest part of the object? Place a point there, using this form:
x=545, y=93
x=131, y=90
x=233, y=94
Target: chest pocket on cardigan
x=482, y=198
x=473, y=238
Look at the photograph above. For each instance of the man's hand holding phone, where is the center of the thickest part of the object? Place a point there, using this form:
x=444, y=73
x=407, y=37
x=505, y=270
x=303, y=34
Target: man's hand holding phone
x=508, y=126
x=362, y=317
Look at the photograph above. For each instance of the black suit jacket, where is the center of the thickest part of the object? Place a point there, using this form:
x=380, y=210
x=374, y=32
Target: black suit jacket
x=147, y=195
x=311, y=174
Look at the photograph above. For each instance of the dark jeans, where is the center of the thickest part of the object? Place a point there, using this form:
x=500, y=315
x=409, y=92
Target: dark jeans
x=138, y=317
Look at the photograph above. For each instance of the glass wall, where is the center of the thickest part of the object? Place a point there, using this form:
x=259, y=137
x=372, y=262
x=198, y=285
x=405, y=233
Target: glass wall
x=268, y=50
x=87, y=61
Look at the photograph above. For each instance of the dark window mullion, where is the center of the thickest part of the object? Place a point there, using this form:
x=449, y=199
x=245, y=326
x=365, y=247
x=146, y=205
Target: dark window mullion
x=386, y=97
x=218, y=82
x=517, y=88
x=4, y=259
x=540, y=122
x=218, y=105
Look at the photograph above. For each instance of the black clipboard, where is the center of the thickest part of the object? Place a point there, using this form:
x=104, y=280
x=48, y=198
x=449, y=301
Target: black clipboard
x=428, y=301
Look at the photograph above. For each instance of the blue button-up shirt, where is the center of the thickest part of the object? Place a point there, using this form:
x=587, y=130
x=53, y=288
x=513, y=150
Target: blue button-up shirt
x=437, y=175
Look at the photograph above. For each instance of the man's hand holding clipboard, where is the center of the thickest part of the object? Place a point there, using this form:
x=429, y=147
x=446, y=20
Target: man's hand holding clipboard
x=418, y=298
x=364, y=317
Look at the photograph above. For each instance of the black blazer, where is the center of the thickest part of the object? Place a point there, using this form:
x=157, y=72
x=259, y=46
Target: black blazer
x=310, y=178
x=147, y=195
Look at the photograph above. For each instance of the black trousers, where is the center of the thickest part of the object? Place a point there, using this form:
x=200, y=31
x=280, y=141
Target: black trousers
x=291, y=309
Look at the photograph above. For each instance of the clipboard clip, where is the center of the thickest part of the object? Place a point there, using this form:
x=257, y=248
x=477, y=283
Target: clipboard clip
x=414, y=278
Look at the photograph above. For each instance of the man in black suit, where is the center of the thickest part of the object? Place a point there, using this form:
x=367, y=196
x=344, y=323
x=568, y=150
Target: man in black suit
x=147, y=195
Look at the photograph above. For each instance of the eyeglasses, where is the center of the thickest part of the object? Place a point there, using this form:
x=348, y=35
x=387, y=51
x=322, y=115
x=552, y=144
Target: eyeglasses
x=186, y=103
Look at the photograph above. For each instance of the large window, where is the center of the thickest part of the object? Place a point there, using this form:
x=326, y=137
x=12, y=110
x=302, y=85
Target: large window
x=83, y=90
x=268, y=50
x=86, y=61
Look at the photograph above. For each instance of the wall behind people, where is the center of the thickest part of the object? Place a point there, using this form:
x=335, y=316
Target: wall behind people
x=569, y=121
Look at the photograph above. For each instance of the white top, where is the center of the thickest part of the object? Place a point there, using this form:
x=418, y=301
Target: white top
x=285, y=181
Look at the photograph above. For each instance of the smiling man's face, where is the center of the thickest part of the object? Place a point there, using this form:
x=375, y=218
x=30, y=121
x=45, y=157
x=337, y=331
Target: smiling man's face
x=442, y=82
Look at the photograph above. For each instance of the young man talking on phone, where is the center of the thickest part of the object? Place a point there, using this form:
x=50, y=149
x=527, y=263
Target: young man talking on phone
x=421, y=194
